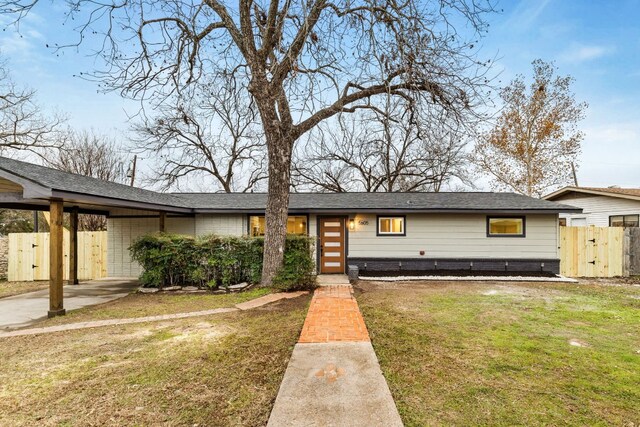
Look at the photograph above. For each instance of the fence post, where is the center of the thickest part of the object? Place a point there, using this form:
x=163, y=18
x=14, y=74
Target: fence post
x=626, y=252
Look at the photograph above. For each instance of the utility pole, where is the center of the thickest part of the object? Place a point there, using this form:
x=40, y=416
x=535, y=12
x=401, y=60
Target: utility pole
x=575, y=177
x=133, y=169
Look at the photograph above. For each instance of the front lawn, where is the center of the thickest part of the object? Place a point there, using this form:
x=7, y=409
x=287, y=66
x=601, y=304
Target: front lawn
x=457, y=353
x=220, y=370
x=141, y=305
x=8, y=289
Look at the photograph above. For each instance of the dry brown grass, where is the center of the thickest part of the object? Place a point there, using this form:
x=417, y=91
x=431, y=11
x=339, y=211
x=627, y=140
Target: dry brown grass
x=8, y=289
x=142, y=305
x=212, y=371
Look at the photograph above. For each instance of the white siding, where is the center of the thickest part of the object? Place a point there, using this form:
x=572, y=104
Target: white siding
x=221, y=224
x=454, y=236
x=123, y=231
x=597, y=209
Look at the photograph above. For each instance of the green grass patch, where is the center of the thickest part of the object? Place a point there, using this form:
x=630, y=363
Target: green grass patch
x=510, y=353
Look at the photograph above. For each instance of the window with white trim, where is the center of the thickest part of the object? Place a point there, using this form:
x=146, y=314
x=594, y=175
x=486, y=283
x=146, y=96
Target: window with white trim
x=391, y=226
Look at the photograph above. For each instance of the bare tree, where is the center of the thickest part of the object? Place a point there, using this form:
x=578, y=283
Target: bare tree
x=535, y=142
x=383, y=150
x=216, y=136
x=302, y=61
x=90, y=154
x=23, y=125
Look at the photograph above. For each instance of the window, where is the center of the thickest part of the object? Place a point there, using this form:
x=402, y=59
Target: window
x=391, y=226
x=295, y=225
x=624, y=220
x=505, y=226
x=579, y=222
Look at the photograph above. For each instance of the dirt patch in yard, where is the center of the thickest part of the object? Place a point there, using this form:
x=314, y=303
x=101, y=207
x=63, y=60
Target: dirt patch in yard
x=8, y=289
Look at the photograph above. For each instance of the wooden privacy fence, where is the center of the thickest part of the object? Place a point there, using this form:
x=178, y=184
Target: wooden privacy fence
x=29, y=256
x=599, y=251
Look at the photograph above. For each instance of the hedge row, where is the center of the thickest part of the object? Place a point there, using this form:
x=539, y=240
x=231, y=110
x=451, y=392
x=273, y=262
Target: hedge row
x=214, y=261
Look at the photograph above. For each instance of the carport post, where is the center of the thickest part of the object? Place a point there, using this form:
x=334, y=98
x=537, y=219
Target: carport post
x=73, y=246
x=163, y=218
x=56, y=307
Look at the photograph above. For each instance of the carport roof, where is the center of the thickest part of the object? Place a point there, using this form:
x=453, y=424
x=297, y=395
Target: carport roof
x=41, y=183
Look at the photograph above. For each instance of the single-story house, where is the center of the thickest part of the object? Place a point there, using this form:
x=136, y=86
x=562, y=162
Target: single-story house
x=373, y=231
x=602, y=207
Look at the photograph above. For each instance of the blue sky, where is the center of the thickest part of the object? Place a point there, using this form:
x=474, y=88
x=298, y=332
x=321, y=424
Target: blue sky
x=597, y=42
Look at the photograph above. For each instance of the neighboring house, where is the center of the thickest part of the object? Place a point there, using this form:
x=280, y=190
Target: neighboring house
x=603, y=207
x=374, y=231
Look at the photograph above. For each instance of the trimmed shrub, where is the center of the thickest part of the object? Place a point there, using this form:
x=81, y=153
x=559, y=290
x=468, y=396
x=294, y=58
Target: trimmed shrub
x=219, y=261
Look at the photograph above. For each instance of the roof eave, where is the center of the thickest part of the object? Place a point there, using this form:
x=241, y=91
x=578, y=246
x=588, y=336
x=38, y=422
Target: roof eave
x=566, y=190
x=390, y=210
x=116, y=203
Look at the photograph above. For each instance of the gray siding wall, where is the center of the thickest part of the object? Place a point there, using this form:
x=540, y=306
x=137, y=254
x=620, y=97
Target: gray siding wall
x=454, y=236
x=597, y=209
x=221, y=224
x=123, y=231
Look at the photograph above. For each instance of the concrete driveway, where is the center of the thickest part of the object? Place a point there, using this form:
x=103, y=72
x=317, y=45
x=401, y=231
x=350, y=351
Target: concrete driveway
x=23, y=310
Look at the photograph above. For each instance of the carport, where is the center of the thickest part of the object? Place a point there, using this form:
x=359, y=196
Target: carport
x=35, y=188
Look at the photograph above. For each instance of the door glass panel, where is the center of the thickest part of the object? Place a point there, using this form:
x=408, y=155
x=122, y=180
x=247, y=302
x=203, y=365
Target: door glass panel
x=331, y=224
x=331, y=234
x=332, y=264
x=331, y=254
x=332, y=244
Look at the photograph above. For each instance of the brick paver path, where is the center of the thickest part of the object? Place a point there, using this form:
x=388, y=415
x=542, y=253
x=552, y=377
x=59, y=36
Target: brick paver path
x=333, y=377
x=334, y=316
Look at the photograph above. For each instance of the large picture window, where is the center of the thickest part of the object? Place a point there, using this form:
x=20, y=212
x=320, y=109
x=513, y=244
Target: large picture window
x=506, y=226
x=624, y=220
x=391, y=226
x=295, y=225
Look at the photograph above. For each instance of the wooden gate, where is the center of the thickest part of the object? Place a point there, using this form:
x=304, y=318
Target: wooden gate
x=29, y=256
x=592, y=251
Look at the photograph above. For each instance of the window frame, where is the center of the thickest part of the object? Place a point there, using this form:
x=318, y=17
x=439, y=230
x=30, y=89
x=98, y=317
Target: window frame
x=524, y=225
x=623, y=220
x=391, y=234
x=262, y=214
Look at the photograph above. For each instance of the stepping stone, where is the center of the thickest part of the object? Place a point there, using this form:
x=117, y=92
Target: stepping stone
x=148, y=290
x=172, y=288
x=238, y=286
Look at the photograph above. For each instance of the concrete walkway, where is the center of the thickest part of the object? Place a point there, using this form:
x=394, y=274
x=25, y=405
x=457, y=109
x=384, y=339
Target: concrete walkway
x=23, y=310
x=333, y=377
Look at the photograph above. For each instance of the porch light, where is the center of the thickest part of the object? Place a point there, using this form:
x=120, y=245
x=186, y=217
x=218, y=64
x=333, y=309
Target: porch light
x=352, y=224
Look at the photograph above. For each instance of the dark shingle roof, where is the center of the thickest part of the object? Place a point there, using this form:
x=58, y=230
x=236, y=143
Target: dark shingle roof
x=459, y=201
x=301, y=202
x=69, y=182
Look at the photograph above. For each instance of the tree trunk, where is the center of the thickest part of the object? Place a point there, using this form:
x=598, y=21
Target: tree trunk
x=279, y=150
